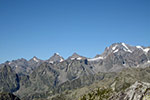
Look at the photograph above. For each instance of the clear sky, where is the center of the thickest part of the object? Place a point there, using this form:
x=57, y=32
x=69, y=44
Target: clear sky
x=42, y=27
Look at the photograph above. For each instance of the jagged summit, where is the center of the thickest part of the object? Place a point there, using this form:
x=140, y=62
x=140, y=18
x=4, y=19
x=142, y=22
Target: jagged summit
x=114, y=57
x=121, y=49
x=35, y=59
x=116, y=47
x=55, y=58
x=76, y=56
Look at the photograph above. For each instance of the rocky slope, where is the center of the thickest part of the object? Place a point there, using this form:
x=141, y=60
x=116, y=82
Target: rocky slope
x=115, y=83
x=9, y=80
x=138, y=91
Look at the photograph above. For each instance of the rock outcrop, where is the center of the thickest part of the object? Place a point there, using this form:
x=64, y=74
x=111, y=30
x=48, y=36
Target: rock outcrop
x=138, y=91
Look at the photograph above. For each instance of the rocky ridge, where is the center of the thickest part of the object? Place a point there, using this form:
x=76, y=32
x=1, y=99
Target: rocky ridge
x=42, y=78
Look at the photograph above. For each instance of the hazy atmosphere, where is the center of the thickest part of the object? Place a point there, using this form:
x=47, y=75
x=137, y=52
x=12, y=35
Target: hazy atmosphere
x=42, y=27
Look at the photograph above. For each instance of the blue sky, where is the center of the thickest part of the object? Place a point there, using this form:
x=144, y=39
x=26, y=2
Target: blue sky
x=42, y=27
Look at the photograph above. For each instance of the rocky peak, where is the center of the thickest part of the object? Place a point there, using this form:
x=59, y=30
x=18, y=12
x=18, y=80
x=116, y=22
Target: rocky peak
x=116, y=48
x=35, y=59
x=55, y=58
x=76, y=56
x=119, y=47
x=22, y=59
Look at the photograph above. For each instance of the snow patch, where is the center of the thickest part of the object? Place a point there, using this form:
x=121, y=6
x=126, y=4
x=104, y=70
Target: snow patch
x=9, y=63
x=113, y=48
x=126, y=48
x=95, y=59
x=79, y=58
x=72, y=58
x=116, y=51
x=36, y=60
x=146, y=50
x=139, y=47
x=124, y=45
x=16, y=66
x=61, y=60
x=148, y=61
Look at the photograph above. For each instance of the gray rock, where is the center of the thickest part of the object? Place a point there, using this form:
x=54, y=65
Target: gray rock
x=138, y=91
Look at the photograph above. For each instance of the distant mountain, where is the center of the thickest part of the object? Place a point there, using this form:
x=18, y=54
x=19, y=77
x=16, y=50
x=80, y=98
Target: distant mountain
x=119, y=56
x=22, y=66
x=19, y=65
x=36, y=78
x=114, y=58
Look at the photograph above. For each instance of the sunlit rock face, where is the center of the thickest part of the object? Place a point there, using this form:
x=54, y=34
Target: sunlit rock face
x=138, y=91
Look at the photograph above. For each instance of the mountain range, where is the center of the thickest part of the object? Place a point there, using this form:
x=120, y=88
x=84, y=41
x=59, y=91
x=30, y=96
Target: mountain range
x=36, y=78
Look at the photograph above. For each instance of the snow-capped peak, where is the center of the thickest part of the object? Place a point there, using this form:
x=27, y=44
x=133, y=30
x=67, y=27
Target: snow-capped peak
x=120, y=46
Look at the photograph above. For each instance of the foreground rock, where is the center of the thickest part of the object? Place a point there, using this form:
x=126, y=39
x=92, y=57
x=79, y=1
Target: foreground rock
x=138, y=91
